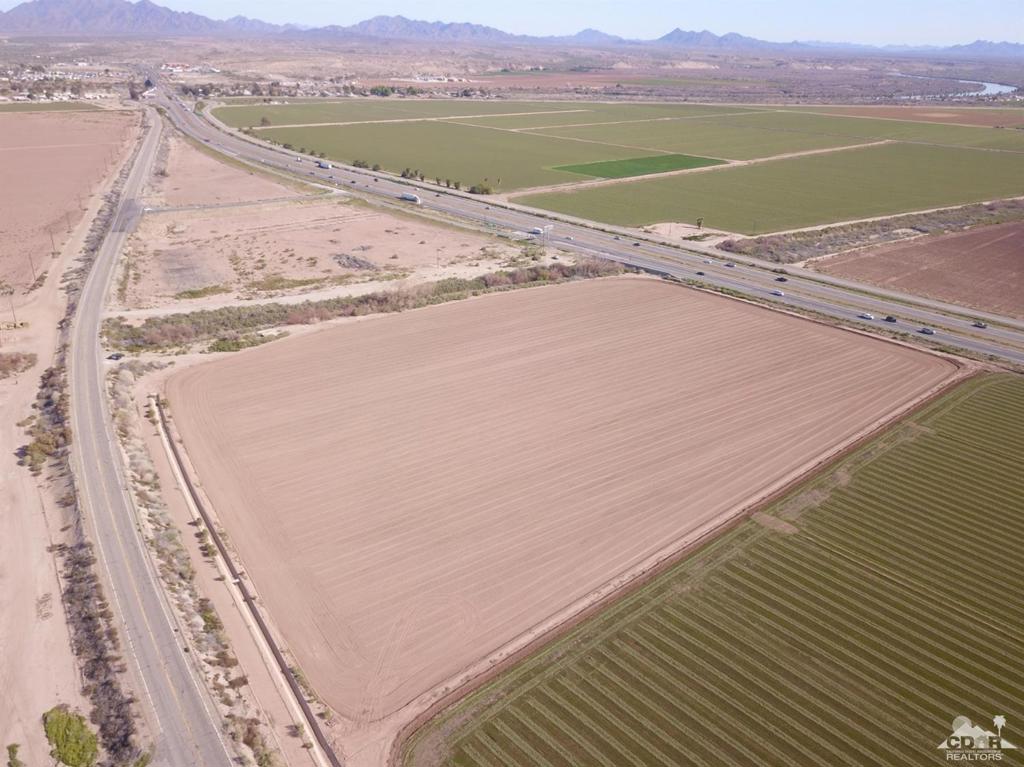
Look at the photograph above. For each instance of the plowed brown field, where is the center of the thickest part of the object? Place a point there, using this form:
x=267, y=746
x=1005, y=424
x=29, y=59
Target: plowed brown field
x=51, y=163
x=982, y=268
x=411, y=492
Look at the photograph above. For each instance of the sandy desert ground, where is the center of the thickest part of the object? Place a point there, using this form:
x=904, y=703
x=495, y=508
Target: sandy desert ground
x=198, y=258
x=37, y=667
x=52, y=162
x=431, y=485
x=981, y=268
x=187, y=176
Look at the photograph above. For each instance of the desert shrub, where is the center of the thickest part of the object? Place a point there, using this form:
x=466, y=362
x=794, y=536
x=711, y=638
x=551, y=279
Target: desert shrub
x=12, y=756
x=12, y=363
x=73, y=743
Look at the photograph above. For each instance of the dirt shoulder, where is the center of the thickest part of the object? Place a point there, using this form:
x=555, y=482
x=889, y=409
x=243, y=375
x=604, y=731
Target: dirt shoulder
x=37, y=667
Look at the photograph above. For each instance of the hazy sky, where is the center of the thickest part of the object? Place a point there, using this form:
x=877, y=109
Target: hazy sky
x=939, y=22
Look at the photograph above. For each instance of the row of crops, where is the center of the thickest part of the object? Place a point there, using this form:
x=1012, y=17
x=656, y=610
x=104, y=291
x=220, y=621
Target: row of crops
x=849, y=625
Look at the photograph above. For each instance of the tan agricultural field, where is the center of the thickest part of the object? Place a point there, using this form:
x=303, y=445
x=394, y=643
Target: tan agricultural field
x=208, y=255
x=52, y=163
x=980, y=268
x=429, y=487
x=191, y=177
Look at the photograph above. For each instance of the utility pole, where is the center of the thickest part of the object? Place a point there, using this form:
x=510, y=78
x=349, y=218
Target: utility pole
x=32, y=265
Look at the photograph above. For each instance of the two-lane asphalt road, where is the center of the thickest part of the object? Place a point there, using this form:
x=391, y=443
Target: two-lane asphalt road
x=841, y=299
x=185, y=726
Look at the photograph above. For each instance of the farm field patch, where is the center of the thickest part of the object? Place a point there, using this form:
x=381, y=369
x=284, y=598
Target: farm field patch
x=981, y=268
x=641, y=166
x=803, y=191
x=47, y=106
x=453, y=151
x=358, y=110
x=586, y=113
x=52, y=161
x=767, y=133
x=732, y=137
x=792, y=639
x=416, y=482
x=1010, y=117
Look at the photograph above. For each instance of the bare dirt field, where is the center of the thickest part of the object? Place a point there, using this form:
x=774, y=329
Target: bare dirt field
x=981, y=268
x=202, y=257
x=52, y=162
x=191, y=177
x=432, y=485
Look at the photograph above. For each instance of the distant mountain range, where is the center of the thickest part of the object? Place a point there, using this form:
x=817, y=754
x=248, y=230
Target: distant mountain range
x=144, y=18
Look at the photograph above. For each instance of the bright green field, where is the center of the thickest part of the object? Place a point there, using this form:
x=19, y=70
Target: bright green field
x=640, y=166
x=802, y=191
x=879, y=602
x=49, y=106
x=452, y=150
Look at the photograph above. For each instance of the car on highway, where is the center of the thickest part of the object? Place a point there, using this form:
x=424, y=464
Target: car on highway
x=778, y=293
x=979, y=324
x=707, y=260
x=866, y=316
x=731, y=265
x=782, y=279
x=569, y=237
x=636, y=244
x=616, y=237
x=352, y=181
x=115, y=356
x=700, y=274
x=890, y=318
x=927, y=331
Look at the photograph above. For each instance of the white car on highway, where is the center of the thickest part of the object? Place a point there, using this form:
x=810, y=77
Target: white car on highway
x=866, y=316
x=778, y=293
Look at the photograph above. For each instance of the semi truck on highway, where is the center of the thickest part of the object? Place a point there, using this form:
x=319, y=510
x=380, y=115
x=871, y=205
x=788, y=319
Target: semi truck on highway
x=409, y=197
x=323, y=164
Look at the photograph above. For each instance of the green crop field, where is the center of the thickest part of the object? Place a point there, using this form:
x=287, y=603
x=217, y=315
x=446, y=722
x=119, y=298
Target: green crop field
x=765, y=133
x=728, y=137
x=640, y=166
x=453, y=150
x=515, y=145
x=359, y=110
x=48, y=106
x=848, y=624
x=802, y=191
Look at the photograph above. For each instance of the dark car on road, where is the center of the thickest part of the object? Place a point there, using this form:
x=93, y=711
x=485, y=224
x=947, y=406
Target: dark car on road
x=781, y=279
x=890, y=318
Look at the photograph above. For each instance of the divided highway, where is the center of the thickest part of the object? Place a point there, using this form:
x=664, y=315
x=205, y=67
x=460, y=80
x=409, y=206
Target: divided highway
x=184, y=725
x=841, y=299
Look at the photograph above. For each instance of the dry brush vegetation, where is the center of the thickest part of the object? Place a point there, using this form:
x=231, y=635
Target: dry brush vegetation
x=234, y=327
x=814, y=243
